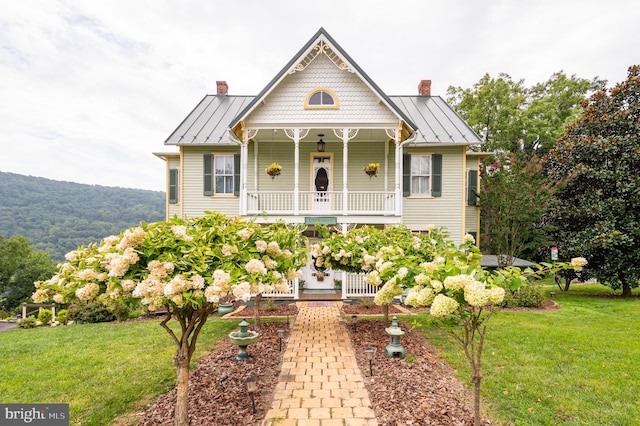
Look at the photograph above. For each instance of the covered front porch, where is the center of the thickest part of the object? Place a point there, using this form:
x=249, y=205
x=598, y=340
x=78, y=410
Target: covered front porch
x=320, y=172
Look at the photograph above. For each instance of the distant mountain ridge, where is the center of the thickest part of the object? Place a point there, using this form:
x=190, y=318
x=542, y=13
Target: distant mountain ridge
x=60, y=216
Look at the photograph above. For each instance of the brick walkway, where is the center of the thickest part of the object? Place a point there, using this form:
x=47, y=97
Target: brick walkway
x=320, y=383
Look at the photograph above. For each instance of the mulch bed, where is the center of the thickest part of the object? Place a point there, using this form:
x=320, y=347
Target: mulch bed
x=280, y=310
x=218, y=401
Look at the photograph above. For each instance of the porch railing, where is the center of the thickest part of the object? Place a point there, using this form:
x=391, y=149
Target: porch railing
x=292, y=294
x=354, y=285
x=330, y=202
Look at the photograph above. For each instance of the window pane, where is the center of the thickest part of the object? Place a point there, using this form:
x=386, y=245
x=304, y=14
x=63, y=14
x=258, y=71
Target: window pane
x=228, y=181
x=424, y=164
x=219, y=164
x=316, y=99
x=326, y=99
x=219, y=185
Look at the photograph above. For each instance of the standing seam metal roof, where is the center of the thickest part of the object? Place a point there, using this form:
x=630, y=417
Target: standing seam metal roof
x=208, y=123
x=437, y=122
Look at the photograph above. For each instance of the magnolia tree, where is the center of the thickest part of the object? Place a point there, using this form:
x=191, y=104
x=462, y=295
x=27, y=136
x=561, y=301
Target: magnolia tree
x=183, y=266
x=437, y=273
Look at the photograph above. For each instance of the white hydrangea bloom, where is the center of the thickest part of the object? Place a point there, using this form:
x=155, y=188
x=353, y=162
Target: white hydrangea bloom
x=228, y=250
x=255, y=266
x=261, y=245
x=88, y=292
x=429, y=267
x=242, y=291
x=476, y=294
x=212, y=294
x=443, y=306
x=496, y=295
x=419, y=296
x=197, y=282
x=180, y=231
x=273, y=248
x=457, y=282
x=421, y=279
x=373, y=278
x=578, y=263
x=437, y=285
x=402, y=272
x=245, y=234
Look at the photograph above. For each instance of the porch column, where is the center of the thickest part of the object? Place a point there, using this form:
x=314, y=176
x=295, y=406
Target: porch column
x=399, y=172
x=244, y=161
x=345, y=170
x=296, y=172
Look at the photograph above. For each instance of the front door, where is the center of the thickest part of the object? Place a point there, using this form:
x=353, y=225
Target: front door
x=321, y=183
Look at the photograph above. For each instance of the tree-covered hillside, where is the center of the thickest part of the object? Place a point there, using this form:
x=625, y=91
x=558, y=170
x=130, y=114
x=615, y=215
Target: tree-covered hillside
x=60, y=216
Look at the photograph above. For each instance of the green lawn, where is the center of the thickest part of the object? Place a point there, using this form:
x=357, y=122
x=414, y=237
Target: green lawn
x=101, y=370
x=578, y=365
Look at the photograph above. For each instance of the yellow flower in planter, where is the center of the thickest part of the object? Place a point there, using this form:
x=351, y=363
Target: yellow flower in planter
x=372, y=169
x=274, y=170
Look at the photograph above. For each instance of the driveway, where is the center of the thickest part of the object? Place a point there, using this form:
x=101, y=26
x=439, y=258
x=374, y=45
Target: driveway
x=7, y=325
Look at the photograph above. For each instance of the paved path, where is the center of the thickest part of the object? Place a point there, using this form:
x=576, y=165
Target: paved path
x=320, y=383
x=7, y=325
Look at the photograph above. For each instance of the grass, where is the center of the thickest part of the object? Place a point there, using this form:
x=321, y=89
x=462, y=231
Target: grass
x=578, y=365
x=101, y=370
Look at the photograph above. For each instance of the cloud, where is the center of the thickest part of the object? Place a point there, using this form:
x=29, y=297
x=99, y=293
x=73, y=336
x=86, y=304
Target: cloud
x=91, y=89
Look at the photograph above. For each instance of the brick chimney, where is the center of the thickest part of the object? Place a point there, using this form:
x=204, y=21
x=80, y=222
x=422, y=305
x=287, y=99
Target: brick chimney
x=223, y=88
x=424, y=88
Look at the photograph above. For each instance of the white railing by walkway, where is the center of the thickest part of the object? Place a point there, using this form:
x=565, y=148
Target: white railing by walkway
x=293, y=292
x=330, y=202
x=353, y=285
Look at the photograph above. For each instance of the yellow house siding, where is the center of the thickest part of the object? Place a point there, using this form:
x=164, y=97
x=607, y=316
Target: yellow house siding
x=447, y=210
x=195, y=203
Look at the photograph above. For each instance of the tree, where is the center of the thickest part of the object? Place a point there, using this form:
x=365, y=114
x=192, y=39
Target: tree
x=438, y=273
x=514, y=198
x=184, y=266
x=492, y=108
x=598, y=212
x=511, y=117
x=20, y=267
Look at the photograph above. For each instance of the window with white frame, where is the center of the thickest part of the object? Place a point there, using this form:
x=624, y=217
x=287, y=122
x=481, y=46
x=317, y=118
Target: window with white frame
x=421, y=174
x=223, y=174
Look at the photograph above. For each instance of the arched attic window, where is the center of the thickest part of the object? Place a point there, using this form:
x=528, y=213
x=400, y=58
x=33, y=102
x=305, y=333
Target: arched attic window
x=321, y=98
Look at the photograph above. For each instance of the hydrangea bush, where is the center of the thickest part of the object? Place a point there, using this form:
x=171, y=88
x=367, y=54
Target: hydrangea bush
x=434, y=272
x=184, y=266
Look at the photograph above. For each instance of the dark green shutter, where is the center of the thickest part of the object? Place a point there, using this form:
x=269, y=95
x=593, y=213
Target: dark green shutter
x=236, y=174
x=406, y=175
x=173, y=186
x=436, y=173
x=208, y=174
x=472, y=187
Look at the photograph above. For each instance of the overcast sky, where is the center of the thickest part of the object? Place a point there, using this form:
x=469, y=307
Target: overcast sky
x=90, y=89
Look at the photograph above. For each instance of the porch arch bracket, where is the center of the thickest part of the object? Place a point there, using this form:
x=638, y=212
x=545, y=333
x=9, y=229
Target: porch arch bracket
x=291, y=133
x=391, y=133
x=351, y=133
